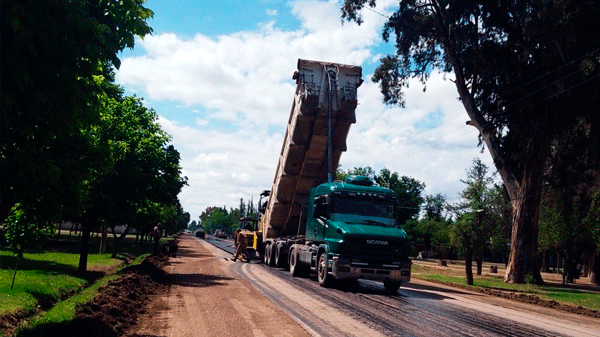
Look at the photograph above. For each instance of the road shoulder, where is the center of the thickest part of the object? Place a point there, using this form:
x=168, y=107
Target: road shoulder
x=206, y=299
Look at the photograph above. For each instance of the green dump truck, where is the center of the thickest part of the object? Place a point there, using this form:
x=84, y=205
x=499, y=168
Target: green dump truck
x=310, y=223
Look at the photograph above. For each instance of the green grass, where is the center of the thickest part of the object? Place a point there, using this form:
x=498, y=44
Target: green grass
x=65, y=310
x=48, y=276
x=567, y=295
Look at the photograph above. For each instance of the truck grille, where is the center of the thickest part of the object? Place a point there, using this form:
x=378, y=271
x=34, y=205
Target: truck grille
x=375, y=249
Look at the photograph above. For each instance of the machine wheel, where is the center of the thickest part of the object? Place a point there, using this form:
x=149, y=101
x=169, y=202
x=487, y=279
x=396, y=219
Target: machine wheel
x=295, y=269
x=391, y=286
x=325, y=279
x=272, y=251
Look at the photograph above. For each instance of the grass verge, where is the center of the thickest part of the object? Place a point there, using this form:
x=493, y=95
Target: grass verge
x=64, y=311
x=560, y=294
x=43, y=278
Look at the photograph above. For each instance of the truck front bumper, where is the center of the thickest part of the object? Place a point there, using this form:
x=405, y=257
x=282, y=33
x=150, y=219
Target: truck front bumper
x=345, y=268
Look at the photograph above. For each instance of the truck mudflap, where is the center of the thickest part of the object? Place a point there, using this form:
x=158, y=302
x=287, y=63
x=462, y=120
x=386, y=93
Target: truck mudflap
x=344, y=268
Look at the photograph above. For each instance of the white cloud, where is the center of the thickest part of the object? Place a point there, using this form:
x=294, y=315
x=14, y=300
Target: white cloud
x=245, y=78
x=386, y=137
x=271, y=12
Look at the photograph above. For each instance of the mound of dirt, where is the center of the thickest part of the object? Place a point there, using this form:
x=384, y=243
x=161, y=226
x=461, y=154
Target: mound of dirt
x=118, y=304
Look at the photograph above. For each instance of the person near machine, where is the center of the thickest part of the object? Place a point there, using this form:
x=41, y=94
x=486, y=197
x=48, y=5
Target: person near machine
x=241, y=245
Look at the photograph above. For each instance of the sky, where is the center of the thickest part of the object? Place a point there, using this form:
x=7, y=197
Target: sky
x=219, y=75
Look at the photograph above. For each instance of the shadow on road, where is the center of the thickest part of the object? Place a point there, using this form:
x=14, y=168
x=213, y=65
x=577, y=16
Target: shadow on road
x=197, y=280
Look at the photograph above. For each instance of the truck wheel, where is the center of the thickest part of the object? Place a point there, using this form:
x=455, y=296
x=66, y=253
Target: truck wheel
x=267, y=254
x=280, y=260
x=295, y=269
x=325, y=280
x=391, y=286
x=272, y=251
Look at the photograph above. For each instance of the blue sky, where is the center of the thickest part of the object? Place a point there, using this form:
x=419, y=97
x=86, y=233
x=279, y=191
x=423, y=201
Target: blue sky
x=218, y=73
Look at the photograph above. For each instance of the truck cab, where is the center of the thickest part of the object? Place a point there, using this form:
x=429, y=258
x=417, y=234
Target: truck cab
x=352, y=228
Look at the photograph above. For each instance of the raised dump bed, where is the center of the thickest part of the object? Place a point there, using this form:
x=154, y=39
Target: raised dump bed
x=303, y=161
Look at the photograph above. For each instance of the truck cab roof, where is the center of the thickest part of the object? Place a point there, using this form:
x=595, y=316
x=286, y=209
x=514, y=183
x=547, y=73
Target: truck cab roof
x=357, y=184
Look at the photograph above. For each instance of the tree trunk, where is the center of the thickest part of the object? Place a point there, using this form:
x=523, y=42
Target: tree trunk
x=570, y=266
x=118, y=241
x=103, y=239
x=59, y=229
x=595, y=269
x=469, y=267
x=85, y=247
x=525, y=209
x=479, y=262
x=545, y=262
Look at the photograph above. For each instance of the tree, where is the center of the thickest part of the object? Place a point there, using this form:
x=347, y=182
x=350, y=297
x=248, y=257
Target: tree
x=571, y=180
x=216, y=217
x=431, y=231
x=357, y=171
x=409, y=194
x=408, y=190
x=434, y=206
x=472, y=230
x=499, y=217
x=515, y=64
x=140, y=186
x=54, y=49
x=593, y=223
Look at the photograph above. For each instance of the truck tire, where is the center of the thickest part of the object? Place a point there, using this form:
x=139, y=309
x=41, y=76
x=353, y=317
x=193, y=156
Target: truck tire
x=267, y=254
x=280, y=258
x=295, y=269
x=272, y=251
x=325, y=279
x=391, y=287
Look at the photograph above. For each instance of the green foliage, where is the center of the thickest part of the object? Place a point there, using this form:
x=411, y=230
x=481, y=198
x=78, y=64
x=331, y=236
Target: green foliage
x=50, y=96
x=593, y=219
x=525, y=71
x=23, y=232
x=434, y=206
x=551, y=225
x=217, y=218
x=193, y=226
x=408, y=189
x=483, y=215
x=142, y=176
x=409, y=192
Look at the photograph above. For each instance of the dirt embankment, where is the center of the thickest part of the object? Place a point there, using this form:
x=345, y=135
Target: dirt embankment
x=113, y=310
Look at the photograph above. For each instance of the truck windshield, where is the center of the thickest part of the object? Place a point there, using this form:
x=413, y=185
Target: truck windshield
x=356, y=206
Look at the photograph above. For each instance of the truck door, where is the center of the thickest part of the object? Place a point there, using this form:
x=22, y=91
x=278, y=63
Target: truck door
x=320, y=214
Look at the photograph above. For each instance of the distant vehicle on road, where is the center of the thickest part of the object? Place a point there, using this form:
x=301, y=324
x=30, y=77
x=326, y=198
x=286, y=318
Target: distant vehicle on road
x=200, y=232
x=219, y=233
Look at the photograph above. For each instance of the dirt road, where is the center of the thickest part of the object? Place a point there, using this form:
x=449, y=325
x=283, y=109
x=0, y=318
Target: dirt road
x=206, y=300
x=213, y=296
